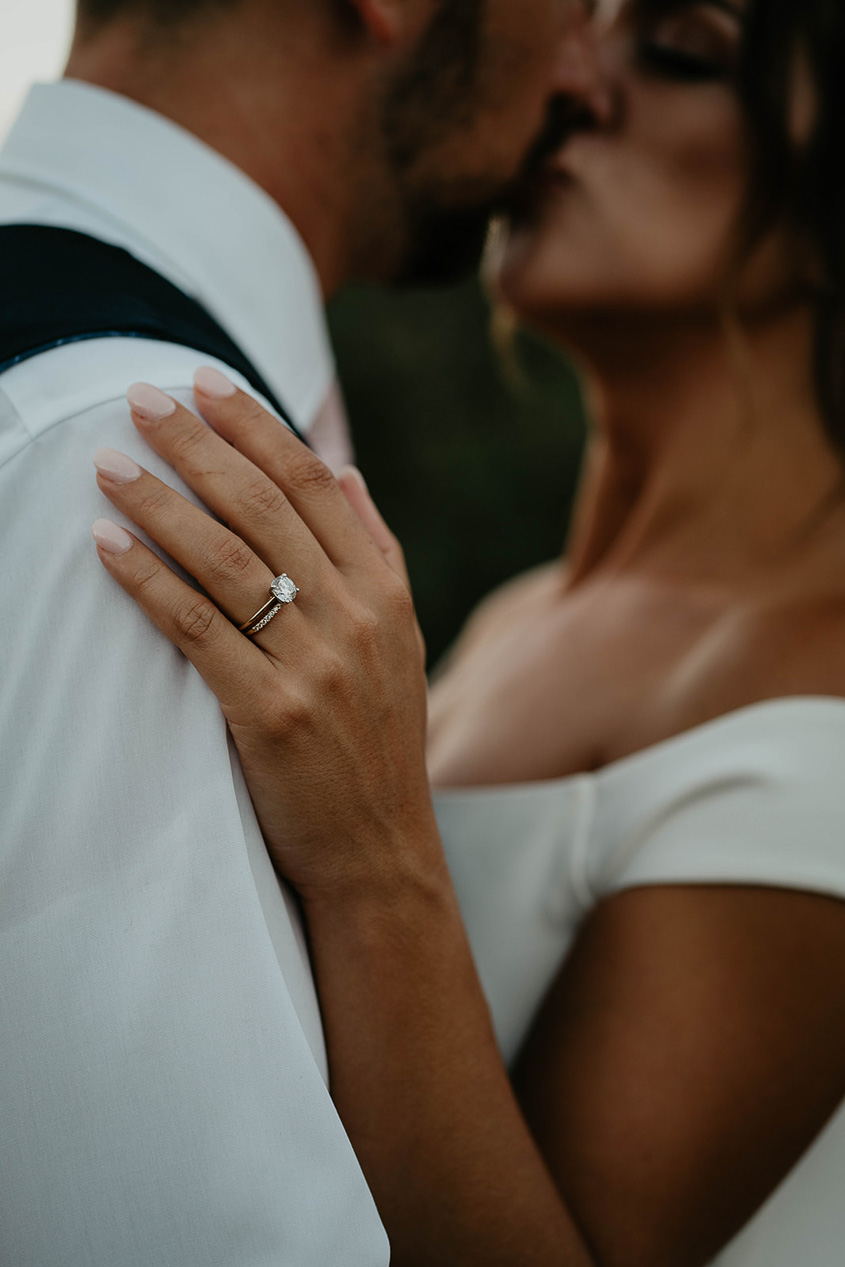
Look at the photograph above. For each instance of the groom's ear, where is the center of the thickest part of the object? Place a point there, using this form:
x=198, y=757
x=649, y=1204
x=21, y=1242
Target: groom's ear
x=391, y=22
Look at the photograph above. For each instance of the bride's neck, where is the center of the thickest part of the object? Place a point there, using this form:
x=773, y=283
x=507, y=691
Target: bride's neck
x=709, y=455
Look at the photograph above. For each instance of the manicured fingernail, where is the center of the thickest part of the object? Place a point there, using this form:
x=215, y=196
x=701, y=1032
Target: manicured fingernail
x=213, y=384
x=116, y=466
x=150, y=403
x=111, y=537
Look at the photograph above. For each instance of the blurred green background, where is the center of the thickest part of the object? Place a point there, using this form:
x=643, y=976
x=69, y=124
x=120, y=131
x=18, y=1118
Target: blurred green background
x=473, y=468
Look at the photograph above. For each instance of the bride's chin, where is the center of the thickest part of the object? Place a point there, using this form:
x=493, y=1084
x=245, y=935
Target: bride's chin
x=572, y=298
x=519, y=275
x=550, y=310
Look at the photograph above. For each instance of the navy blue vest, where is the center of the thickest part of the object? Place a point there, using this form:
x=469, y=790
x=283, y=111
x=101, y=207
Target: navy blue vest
x=58, y=286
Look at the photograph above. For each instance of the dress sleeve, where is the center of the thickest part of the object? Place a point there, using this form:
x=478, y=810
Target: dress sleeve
x=757, y=798
x=161, y=1097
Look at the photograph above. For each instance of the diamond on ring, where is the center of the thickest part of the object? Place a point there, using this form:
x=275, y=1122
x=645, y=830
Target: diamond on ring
x=284, y=589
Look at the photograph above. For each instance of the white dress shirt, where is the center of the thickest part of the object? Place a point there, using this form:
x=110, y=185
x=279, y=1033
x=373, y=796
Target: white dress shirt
x=163, y=1093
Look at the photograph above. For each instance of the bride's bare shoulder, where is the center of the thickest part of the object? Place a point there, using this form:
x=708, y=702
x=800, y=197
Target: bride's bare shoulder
x=521, y=594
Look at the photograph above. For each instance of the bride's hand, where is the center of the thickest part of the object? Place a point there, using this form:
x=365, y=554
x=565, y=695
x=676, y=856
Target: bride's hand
x=327, y=703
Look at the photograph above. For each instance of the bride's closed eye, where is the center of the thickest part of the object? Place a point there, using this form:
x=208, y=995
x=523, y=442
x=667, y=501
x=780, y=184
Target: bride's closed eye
x=693, y=43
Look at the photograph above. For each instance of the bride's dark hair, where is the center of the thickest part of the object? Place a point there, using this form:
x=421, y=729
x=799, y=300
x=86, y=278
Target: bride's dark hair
x=798, y=46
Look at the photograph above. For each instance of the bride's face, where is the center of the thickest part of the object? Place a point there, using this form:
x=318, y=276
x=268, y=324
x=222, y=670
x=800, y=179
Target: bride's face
x=639, y=209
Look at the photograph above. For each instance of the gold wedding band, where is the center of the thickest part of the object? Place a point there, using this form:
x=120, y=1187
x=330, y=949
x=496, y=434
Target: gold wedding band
x=282, y=592
x=261, y=618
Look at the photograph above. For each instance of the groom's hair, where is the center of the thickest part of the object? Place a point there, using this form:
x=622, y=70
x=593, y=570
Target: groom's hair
x=162, y=12
x=172, y=13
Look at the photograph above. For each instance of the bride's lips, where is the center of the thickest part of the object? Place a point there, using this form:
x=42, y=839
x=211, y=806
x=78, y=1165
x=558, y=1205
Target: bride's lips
x=557, y=176
x=555, y=172
x=546, y=182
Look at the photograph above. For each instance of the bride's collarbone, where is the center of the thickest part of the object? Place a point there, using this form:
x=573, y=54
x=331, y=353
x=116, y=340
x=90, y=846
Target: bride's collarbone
x=549, y=693
x=540, y=695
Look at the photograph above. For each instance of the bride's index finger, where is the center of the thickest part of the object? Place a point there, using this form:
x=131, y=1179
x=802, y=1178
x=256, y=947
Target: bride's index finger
x=306, y=481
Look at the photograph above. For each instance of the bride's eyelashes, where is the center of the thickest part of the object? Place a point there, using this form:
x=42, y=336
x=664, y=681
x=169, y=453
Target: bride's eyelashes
x=692, y=43
x=666, y=62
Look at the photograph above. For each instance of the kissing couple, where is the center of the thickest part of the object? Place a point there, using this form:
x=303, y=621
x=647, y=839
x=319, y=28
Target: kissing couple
x=307, y=962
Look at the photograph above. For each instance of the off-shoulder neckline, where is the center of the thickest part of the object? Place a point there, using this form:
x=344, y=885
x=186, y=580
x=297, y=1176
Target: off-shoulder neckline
x=644, y=756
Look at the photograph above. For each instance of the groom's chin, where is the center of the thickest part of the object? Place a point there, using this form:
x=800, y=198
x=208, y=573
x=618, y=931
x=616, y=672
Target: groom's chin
x=447, y=248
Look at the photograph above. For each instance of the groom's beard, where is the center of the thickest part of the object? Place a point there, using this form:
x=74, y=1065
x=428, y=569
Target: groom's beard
x=447, y=242
x=434, y=98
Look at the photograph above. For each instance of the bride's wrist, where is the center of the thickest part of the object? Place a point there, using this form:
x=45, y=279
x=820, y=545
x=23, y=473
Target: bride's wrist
x=404, y=875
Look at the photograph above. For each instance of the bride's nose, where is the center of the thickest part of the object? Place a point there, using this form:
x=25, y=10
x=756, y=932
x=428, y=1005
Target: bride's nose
x=581, y=75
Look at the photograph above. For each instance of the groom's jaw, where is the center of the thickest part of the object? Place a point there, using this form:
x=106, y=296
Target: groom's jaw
x=388, y=131
x=472, y=115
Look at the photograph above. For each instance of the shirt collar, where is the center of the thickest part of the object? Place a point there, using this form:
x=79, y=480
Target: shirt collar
x=144, y=183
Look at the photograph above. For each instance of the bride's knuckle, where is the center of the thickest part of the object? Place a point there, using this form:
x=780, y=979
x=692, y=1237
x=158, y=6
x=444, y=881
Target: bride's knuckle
x=290, y=715
x=194, y=620
x=398, y=601
x=146, y=574
x=332, y=672
x=188, y=438
x=156, y=499
x=229, y=557
x=365, y=627
x=402, y=601
x=309, y=475
x=394, y=545
x=262, y=498
x=250, y=415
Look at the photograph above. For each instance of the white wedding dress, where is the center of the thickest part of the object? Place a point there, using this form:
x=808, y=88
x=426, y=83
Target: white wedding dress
x=756, y=797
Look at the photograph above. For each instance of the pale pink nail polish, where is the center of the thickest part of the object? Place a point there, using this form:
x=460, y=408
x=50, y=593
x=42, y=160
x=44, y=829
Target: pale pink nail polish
x=210, y=382
x=111, y=537
x=116, y=466
x=150, y=403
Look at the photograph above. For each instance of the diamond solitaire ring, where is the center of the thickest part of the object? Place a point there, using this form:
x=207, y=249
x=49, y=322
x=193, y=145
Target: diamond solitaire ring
x=283, y=588
x=283, y=591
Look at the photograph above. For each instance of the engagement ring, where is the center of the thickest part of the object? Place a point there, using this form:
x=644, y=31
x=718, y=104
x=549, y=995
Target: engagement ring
x=283, y=591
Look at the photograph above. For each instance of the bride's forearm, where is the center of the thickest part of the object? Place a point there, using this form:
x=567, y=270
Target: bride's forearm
x=420, y=1086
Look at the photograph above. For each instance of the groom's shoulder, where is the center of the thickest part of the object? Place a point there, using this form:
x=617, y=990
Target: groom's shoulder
x=75, y=395
x=56, y=410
